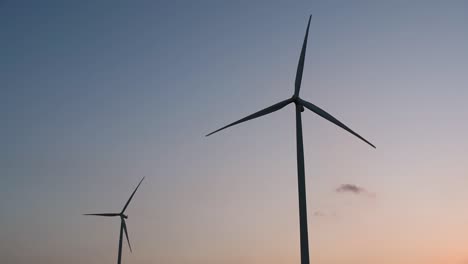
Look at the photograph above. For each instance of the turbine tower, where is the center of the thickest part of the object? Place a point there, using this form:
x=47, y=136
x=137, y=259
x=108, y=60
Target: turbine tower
x=123, y=225
x=300, y=104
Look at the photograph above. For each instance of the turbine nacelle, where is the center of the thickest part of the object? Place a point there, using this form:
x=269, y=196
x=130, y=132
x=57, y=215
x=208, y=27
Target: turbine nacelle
x=124, y=216
x=301, y=107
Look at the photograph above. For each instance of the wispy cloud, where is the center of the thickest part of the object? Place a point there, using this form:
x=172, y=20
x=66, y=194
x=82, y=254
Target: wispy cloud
x=354, y=189
x=319, y=213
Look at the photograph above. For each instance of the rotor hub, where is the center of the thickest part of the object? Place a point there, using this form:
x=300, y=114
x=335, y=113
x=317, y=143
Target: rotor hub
x=298, y=104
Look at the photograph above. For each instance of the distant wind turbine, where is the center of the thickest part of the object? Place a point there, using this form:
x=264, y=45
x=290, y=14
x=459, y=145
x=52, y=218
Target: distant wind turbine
x=123, y=225
x=300, y=104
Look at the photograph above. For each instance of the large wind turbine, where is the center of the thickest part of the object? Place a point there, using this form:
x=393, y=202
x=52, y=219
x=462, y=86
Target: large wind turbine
x=123, y=225
x=300, y=104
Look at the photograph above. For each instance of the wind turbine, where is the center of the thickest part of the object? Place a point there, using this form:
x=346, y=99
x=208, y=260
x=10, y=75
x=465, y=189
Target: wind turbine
x=300, y=104
x=123, y=225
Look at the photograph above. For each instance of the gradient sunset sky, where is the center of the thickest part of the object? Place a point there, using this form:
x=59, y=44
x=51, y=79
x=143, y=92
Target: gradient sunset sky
x=95, y=95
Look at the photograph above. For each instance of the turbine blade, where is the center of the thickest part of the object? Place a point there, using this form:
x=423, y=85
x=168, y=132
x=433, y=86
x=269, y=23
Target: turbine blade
x=129, y=199
x=105, y=214
x=330, y=118
x=124, y=225
x=260, y=113
x=300, y=66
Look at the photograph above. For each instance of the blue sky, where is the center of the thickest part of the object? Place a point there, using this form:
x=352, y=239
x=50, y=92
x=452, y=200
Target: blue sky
x=95, y=96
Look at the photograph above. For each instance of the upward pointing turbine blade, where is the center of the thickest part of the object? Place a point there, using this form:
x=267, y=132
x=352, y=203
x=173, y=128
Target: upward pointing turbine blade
x=124, y=226
x=330, y=118
x=260, y=113
x=105, y=214
x=129, y=199
x=300, y=66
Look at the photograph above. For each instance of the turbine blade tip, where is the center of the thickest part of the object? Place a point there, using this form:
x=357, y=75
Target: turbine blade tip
x=209, y=134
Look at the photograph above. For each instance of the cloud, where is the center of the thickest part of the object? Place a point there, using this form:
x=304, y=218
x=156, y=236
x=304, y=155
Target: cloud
x=350, y=188
x=354, y=189
x=319, y=213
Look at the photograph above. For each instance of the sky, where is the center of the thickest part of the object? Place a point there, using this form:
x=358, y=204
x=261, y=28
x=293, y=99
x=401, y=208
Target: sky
x=94, y=95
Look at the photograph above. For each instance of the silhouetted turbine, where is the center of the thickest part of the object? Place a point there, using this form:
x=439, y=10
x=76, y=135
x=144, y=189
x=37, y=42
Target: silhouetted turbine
x=123, y=225
x=300, y=104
